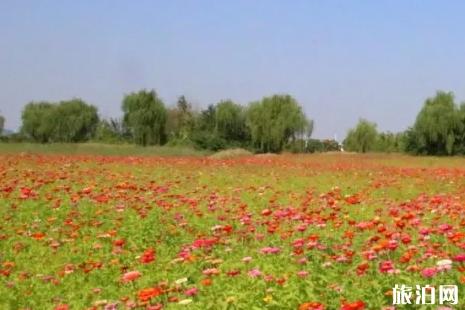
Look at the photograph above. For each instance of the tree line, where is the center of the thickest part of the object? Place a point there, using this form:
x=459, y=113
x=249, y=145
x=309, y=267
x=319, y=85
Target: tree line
x=272, y=124
x=439, y=129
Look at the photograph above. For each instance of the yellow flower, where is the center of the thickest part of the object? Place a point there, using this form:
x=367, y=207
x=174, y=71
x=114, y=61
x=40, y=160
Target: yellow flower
x=268, y=298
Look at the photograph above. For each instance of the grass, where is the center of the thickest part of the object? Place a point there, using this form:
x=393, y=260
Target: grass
x=98, y=149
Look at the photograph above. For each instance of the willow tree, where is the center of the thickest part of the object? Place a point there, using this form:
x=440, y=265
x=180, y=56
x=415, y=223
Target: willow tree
x=67, y=121
x=230, y=122
x=362, y=138
x=145, y=116
x=439, y=126
x=74, y=121
x=274, y=121
x=38, y=121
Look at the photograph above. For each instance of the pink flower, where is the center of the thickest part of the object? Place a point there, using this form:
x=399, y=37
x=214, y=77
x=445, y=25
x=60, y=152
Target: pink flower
x=268, y=278
x=445, y=227
x=386, y=266
x=191, y=292
x=270, y=250
x=303, y=260
x=255, y=273
x=130, y=276
x=210, y=271
x=302, y=273
x=429, y=272
x=460, y=257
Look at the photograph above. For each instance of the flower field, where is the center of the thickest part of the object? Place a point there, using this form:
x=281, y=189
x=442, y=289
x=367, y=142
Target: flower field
x=257, y=232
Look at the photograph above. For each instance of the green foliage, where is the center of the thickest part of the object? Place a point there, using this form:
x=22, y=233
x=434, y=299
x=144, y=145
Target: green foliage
x=221, y=126
x=74, y=121
x=180, y=122
x=145, y=116
x=230, y=122
x=111, y=131
x=388, y=142
x=206, y=121
x=318, y=146
x=207, y=140
x=274, y=121
x=37, y=121
x=439, y=127
x=270, y=125
x=2, y=124
x=362, y=138
x=66, y=121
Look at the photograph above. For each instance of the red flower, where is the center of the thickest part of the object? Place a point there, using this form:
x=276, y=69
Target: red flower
x=148, y=256
x=353, y=200
x=62, y=307
x=119, y=242
x=386, y=267
x=356, y=305
x=233, y=273
x=362, y=268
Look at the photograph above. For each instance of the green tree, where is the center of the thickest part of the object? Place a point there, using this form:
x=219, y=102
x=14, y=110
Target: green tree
x=38, y=121
x=145, y=117
x=230, y=122
x=388, y=142
x=74, y=121
x=204, y=134
x=274, y=121
x=439, y=126
x=180, y=122
x=362, y=138
x=68, y=121
x=111, y=131
x=2, y=124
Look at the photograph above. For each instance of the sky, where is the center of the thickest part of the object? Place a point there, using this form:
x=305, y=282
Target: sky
x=341, y=60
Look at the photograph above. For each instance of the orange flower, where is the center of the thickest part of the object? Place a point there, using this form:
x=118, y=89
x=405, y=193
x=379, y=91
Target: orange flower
x=311, y=306
x=149, y=293
x=206, y=282
x=38, y=235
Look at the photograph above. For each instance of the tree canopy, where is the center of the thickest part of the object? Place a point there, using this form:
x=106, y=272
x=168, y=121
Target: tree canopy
x=145, y=116
x=272, y=124
x=67, y=121
x=439, y=127
x=275, y=120
x=362, y=138
x=230, y=121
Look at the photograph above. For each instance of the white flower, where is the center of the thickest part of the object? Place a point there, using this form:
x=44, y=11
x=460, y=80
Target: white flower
x=444, y=262
x=181, y=281
x=185, y=301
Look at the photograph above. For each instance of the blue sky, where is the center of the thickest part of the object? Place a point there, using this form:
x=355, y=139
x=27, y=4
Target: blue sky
x=341, y=60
